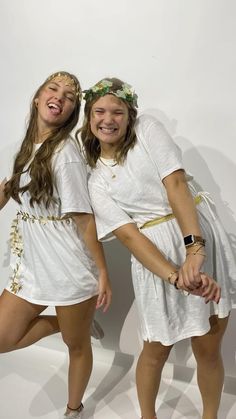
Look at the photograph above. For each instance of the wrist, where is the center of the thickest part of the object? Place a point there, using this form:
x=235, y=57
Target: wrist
x=192, y=239
x=196, y=249
x=173, y=278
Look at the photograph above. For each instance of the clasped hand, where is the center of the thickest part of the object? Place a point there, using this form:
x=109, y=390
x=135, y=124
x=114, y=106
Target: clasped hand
x=196, y=282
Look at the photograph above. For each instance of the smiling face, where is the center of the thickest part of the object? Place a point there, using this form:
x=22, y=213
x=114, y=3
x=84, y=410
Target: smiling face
x=109, y=120
x=55, y=104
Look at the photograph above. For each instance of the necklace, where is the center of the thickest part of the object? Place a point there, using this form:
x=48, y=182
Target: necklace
x=109, y=164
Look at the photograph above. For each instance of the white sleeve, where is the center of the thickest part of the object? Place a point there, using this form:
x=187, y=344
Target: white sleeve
x=108, y=215
x=72, y=187
x=163, y=151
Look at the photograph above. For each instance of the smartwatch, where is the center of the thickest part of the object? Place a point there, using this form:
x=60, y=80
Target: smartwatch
x=191, y=239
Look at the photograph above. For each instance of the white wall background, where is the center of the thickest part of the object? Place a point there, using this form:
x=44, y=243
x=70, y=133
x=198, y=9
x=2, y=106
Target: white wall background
x=179, y=55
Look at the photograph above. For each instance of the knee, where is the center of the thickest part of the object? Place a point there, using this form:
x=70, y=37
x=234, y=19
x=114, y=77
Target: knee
x=75, y=344
x=155, y=357
x=206, y=355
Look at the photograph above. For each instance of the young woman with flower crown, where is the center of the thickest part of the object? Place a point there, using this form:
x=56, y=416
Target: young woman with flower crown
x=56, y=257
x=142, y=195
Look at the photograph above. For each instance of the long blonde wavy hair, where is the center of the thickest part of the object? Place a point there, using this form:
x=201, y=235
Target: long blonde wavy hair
x=40, y=186
x=90, y=143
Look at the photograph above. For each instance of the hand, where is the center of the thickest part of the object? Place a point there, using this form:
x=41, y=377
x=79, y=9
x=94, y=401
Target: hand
x=104, y=292
x=208, y=289
x=189, y=273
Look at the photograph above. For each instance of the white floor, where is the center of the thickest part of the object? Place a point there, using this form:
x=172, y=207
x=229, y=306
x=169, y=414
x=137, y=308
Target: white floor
x=33, y=385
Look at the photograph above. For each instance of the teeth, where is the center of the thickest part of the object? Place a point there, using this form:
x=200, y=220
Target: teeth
x=53, y=105
x=107, y=129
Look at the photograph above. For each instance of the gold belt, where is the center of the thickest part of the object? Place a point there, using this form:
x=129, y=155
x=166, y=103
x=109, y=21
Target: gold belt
x=167, y=217
x=17, y=246
x=25, y=216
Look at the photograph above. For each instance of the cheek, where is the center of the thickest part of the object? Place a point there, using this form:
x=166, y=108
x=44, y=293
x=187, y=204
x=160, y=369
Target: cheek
x=70, y=109
x=93, y=125
x=124, y=124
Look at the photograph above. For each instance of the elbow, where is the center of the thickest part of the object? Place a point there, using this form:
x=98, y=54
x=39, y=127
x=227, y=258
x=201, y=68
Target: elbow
x=127, y=234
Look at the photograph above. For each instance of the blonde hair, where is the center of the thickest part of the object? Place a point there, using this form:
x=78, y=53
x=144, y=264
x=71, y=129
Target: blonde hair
x=40, y=186
x=90, y=142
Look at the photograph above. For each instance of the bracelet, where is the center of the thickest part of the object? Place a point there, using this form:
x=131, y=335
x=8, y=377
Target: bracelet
x=196, y=252
x=196, y=244
x=78, y=408
x=176, y=279
x=170, y=276
x=176, y=283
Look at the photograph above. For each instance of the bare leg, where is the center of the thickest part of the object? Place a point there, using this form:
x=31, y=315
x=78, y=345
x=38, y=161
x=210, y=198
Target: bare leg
x=75, y=322
x=20, y=323
x=210, y=369
x=148, y=375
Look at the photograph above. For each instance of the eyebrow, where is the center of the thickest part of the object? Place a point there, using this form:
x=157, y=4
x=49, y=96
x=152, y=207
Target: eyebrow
x=103, y=108
x=53, y=82
x=58, y=85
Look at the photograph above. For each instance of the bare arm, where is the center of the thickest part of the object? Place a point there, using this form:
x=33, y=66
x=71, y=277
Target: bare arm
x=150, y=257
x=184, y=209
x=144, y=250
x=3, y=199
x=86, y=228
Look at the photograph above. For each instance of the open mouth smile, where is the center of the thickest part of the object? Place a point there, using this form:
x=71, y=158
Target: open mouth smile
x=54, y=108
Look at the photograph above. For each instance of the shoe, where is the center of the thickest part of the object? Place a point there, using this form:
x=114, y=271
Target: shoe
x=96, y=330
x=74, y=414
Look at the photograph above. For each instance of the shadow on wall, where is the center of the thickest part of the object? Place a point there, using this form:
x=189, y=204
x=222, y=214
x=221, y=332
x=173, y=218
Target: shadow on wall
x=118, y=260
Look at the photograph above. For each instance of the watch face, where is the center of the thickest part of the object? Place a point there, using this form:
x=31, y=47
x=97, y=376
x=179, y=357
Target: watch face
x=188, y=240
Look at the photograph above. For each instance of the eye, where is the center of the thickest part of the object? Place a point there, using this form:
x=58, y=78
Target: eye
x=71, y=98
x=52, y=88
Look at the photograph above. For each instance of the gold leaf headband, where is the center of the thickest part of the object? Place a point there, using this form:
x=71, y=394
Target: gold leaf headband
x=68, y=80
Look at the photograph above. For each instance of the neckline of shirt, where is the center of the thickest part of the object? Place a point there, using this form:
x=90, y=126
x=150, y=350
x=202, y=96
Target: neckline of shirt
x=108, y=162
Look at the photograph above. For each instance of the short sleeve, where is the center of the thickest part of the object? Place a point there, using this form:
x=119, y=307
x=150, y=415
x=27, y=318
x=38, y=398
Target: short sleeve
x=72, y=188
x=108, y=215
x=163, y=151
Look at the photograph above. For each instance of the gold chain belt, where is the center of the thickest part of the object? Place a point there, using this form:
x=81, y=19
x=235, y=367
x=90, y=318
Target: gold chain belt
x=167, y=217
x=25, y=216
x=16, y=242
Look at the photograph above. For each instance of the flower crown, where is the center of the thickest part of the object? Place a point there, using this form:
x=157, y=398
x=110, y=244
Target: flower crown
x=104, y=87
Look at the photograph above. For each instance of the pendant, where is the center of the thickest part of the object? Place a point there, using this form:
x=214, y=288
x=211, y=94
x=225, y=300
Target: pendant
x=113, y=176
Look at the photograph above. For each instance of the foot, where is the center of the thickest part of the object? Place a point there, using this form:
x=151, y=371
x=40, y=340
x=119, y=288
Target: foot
x=74, y=413
x=96, y=330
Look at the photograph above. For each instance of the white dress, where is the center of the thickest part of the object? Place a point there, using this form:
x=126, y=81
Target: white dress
x=134, y=193
x=50, y=263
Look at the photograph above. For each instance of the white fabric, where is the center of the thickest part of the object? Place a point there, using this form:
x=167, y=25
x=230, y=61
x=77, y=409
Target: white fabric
x=56, y=268
x=136, y=202
x=137, y=194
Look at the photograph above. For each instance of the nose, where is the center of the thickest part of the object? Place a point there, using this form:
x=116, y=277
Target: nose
x=108, y=119
x=59, y=95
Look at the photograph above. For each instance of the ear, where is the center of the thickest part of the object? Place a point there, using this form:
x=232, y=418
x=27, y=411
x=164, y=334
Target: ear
x=36, y=101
